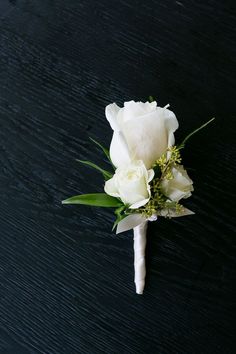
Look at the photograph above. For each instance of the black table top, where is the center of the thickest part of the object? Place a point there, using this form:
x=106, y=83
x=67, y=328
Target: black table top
x=66, y=278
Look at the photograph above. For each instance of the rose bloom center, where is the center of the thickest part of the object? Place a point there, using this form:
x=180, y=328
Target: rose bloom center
x=132, y=175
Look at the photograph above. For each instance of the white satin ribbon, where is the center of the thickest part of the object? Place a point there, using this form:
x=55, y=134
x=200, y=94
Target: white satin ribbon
x=140, y=239
x=138, y=223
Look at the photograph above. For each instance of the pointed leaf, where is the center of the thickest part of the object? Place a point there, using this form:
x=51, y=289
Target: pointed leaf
x=106, y=174
x=105, y=150
x=181, y=146
x=118, y=219
x=96, y=199
x=119, y=216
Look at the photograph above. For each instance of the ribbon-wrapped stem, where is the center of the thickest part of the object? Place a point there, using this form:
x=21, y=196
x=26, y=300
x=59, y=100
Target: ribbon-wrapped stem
x=140, y=239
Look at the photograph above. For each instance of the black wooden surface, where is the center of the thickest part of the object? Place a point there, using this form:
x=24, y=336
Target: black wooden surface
x=66, y=279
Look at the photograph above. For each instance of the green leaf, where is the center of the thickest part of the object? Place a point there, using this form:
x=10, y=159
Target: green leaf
x=96, y=199
x=106, y=174
x=181, y=146
x=105, y=150
x=151, y=99
x=119, y=210
x=118, y=219
x=119, y=216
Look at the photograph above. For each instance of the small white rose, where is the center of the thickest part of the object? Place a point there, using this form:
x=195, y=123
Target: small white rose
x=180, y=186
x=142, y=131
x=131, y=184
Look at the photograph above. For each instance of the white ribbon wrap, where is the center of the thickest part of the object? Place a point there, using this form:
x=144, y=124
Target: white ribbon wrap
x=140, y=240
x=138, y=223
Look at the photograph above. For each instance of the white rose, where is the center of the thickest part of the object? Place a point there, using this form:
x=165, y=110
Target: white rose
x=131, y=184
x=180, y=186
x=142, y=131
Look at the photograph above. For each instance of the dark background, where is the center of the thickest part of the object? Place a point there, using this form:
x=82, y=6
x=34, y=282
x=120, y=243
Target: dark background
x=66, y=279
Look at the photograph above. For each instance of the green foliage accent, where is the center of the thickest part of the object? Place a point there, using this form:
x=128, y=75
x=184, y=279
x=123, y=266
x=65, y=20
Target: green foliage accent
x=182, y=145
x=169, y=159
x=106, y=174
x=158, y=202
x=105, y=150
x=96, y=199
x=120, y=215
x=151, y=99
x=178, y=208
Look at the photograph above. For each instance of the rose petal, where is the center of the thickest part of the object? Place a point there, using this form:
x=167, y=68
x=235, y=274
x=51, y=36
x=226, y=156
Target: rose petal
x=111, y=112
x=110, y=188
x=171, y=124
x=146, y=136
x=151, y=174
x=139, y=204
x=119, y=151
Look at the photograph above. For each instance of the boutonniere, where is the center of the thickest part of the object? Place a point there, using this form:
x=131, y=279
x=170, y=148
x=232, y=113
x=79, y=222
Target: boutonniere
x=147, y=179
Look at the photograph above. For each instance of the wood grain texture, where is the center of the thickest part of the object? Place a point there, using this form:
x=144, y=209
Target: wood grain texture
x=66, y=279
